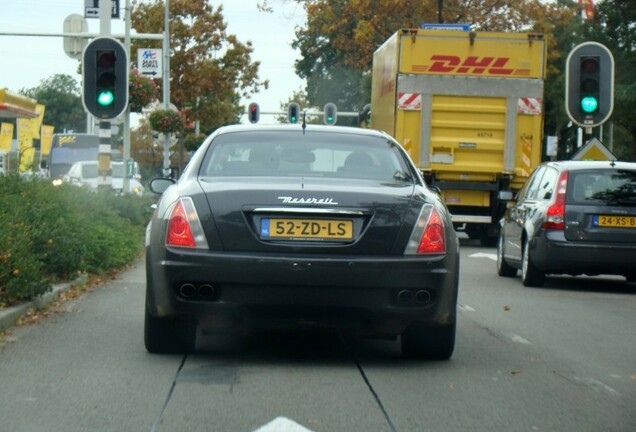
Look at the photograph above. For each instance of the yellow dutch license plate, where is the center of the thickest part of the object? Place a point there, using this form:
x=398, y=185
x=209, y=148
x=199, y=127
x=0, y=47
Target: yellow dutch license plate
x=307, y=229
x=615, y=221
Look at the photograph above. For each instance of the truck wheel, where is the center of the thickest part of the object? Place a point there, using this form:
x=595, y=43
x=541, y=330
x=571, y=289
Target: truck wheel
x=429, y=342
x=503, y=269
x=530, y=275
x=169, y=335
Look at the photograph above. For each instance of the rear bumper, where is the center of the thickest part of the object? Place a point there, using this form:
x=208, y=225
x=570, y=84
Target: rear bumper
x=379, y=296
x=552, y=253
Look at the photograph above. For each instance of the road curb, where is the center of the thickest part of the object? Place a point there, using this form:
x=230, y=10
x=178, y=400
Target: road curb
x=10, y=315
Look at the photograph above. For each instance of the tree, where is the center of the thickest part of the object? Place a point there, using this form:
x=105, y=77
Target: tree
x=61, y=95
x=145, y=152
x=209, y=69
x=613, y=26
x=338, y=42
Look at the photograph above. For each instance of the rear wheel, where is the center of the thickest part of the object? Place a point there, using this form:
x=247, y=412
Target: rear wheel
x=169, y=335
x=429, y=342
x=530, y=275
x=503, y=269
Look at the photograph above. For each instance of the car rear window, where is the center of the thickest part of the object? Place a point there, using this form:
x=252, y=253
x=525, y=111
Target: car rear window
x=335, y=155
x=602, y=187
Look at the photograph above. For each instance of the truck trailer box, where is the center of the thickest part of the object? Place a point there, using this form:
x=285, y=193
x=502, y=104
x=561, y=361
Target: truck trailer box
x=468, y=107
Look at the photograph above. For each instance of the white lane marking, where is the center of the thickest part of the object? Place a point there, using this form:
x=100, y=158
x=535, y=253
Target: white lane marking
x=491, y=256
x=282, y=424
x=597, y=385
x=519, y=339
x=465, y=308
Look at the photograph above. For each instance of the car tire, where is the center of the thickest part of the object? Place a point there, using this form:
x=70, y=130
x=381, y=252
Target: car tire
x=169, y=335
x=429, y=342
x=503, y=269
x=530, y=275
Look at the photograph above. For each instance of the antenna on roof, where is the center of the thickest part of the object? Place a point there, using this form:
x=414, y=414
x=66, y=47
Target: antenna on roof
x=304, y=121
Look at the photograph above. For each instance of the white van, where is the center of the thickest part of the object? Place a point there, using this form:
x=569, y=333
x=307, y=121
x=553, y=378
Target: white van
x=85, y=173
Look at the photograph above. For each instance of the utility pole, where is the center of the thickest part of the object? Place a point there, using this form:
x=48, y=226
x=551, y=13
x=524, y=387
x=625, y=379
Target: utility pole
x=166, y=84
x=127, y=159
x=104, y=165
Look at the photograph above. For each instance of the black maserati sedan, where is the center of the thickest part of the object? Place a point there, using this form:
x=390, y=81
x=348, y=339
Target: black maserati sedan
x=572, y=218
x=301, y=226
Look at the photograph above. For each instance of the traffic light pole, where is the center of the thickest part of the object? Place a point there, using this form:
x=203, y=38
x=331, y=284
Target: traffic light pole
x=126, y=180
x=166, y=84
x=105, y=178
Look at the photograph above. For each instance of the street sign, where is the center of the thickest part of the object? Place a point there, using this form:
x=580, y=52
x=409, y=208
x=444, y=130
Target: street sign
x=446, y=26
x=594, y=150
x=150, y=62
x=74, y=46
x=91, y=8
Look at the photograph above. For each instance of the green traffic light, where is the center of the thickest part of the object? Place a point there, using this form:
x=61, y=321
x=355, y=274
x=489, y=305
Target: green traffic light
x=589, y=104
x=105, y=98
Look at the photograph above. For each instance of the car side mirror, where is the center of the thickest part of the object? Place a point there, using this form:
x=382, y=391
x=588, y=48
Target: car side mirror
x=160, y=184
x=506, y=196
x=435, y=189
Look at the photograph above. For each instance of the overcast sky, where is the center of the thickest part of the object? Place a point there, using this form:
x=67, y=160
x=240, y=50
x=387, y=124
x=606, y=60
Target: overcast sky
x=27, y=60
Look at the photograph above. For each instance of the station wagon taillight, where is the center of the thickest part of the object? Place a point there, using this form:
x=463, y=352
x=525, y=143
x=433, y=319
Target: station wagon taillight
x=184, y=228
x=555, y=216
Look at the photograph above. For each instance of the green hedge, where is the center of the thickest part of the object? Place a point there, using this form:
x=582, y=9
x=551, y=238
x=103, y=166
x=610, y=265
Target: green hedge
x=50, y=234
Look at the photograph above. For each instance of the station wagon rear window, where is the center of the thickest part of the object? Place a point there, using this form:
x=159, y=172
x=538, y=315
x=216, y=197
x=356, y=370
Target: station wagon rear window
x=609, y=187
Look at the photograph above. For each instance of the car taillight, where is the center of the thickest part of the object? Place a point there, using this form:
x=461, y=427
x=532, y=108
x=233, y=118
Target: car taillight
x=184, y=228
x=428, y=236
x=555, y=216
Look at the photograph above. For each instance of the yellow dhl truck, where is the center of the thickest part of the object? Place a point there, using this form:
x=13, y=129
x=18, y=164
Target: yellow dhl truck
x=468, y=107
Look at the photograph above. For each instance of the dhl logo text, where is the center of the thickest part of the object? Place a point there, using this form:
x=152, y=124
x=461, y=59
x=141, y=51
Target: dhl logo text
x=471, y=65
x=70, y=139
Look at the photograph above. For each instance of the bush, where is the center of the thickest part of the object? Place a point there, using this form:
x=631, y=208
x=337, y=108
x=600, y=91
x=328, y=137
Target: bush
x=54, y=233
x=166, y=121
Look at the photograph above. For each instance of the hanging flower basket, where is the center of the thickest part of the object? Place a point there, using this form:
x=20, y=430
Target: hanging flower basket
x=192, y=141
x=166, y=121
x=141, y=91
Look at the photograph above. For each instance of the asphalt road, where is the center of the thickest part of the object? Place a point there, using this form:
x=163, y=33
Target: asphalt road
x=559, y=358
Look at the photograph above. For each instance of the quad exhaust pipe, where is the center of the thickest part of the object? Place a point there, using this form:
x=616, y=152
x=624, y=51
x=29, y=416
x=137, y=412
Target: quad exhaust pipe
x=187, y=290
x=190, y=291
x=415, y=298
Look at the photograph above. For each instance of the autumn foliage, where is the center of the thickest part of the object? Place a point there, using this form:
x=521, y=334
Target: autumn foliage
x=210, y=70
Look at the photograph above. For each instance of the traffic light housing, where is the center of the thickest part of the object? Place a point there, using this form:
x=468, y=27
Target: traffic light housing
x=105, y=78
x=293, y=113
x=253, y=112
x=589, y=84
x=330, y=113
x=364, y=116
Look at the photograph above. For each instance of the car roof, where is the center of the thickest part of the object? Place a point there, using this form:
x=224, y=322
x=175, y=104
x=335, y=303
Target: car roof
x=91, y=162
x=573, y=165
x=298, y=127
